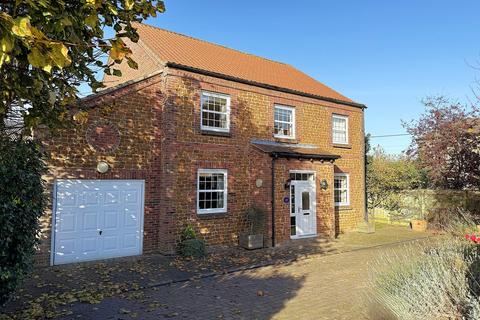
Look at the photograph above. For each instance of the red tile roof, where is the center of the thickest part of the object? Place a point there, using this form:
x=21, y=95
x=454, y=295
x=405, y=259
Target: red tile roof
x=176, y=49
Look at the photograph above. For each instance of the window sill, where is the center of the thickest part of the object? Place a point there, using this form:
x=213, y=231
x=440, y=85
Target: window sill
x=216, y=215
x=343, y=146
x=285, y=140
x=207, y=132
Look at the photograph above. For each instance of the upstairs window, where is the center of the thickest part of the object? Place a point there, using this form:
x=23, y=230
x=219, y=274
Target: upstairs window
x=341, y=189
x=215, y=112
x=284, y=122
x=211, y=191
x=340, y=129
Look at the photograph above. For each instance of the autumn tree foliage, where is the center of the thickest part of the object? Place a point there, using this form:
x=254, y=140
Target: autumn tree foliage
x=49, y=47
x=446, y=142
x=388, y=175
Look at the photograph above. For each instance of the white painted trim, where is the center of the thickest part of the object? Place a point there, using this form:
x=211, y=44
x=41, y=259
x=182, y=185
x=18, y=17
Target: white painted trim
x=277, y=106
x=218, y=95
x=54, y=214
x=341, y=204
x=225, y=191
x=339, y=116
x=304, y=171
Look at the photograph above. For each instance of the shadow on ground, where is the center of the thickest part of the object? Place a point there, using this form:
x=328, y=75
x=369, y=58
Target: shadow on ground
x=88, y=288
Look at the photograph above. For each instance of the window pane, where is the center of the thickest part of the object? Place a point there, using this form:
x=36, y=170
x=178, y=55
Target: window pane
x=214, y=111
x=283, y=122
x=306, y=200
x=339, y=132
x=337, y=196
x=293, y=199
x=211, y=193
x=293, y=226
x=341, y=189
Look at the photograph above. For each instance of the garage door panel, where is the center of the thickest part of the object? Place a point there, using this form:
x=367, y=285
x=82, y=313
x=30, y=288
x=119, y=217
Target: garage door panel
x=92, y=197
x=67, y=223
x=130, y=240
x=131, y=197
x=97, y=219
x=111, y=219
x=131, y=217
x=90, y=221
x=112, y=197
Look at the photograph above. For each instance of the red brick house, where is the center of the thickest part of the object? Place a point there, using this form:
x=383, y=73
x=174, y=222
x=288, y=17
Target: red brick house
x=195, y=136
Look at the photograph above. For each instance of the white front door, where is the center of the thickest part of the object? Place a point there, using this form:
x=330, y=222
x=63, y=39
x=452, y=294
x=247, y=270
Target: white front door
x=304, y=209
x=97, y=219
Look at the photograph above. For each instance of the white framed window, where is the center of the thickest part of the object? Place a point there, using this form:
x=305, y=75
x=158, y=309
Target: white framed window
x=341, y=185
x=215, y=112
x=211, y=191
x=340, y=129
x=284, y=122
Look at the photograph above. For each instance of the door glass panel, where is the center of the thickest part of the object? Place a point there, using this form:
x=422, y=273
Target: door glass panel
x=293, y=226
x=292, y=199
x=306, y=200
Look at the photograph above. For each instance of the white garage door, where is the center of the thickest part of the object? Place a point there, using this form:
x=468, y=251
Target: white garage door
x=97, y=219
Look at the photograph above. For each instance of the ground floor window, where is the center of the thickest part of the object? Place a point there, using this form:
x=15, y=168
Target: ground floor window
x=211, y=191
x=341, y=189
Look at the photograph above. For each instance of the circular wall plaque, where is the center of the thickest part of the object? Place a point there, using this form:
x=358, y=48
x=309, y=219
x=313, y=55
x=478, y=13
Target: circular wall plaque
x=103, y=136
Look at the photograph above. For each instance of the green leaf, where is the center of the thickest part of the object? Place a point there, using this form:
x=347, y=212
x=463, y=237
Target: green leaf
x=117, y=73
x=59, y=55
x=91, y=20
x=36, y=58
x=6, y=46
x=66, y=22
x=131, y=63
x=21, y=27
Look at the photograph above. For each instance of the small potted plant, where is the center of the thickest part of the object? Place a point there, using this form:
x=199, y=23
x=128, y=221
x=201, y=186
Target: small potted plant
x=253, y=239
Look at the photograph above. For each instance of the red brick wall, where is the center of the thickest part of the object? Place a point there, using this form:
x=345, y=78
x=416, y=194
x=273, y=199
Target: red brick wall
x=252, y=117
x=161, y=142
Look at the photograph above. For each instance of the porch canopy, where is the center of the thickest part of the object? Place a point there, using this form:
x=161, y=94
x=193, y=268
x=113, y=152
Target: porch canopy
x=298, y=151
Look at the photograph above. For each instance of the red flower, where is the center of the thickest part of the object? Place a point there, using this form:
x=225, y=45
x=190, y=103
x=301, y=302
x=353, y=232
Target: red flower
x=473, y=237
x=467, y=236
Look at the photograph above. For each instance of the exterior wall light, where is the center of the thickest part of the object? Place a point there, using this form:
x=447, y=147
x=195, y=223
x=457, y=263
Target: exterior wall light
x=287, y=184
x=102, y=167
x=324, y=184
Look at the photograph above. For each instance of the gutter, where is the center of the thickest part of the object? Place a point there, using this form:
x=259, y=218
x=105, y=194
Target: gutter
x=262, y=85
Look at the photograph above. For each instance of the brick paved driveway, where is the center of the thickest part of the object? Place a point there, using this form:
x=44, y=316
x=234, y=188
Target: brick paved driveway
x=322, y=287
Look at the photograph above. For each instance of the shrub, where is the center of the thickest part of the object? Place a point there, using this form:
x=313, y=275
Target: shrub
x=431, y=281
x=190, y=245
x=455, y=220
x=22, y=202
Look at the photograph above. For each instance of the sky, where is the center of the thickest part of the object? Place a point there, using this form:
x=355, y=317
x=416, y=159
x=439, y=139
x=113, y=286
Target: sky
x=385, y=54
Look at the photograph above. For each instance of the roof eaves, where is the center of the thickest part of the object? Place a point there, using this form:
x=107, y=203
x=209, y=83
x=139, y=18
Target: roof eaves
x=297, y=155
x=262, y=85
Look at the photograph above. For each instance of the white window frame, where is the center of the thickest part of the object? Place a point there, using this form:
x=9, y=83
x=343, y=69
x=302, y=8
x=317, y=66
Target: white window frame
x=225, y=191
x=347, y=203
x=292, y=109
x=218, y=95
x=338, y=116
